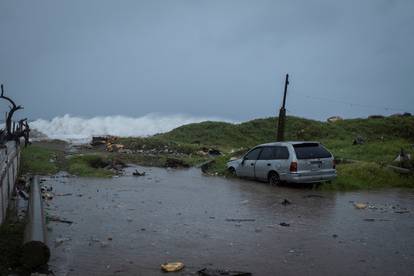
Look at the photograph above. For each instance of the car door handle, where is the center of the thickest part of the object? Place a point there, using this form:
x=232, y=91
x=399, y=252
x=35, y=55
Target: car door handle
x=251, y=164
x=268, y=164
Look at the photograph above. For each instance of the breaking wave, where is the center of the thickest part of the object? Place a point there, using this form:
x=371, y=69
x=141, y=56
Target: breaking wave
x=72, y=128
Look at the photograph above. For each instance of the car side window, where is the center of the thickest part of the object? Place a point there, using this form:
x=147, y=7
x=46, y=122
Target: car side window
x=267, y=153
x=253, y=155
x=274, y=153
x=282, y=153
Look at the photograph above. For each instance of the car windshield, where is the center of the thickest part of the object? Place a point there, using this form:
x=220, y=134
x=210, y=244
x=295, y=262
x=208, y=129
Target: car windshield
x=311, y=151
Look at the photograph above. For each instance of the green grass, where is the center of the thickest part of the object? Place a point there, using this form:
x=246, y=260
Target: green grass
x=384, y=138
x=11, y=240
x=40, y=160
x=367, y=175
x=90, y=165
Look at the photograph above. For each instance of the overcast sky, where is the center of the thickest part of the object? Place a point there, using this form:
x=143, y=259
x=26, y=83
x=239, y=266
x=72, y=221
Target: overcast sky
x=223, y=59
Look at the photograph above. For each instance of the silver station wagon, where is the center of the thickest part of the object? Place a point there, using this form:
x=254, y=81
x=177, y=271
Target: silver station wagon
x=300, y=162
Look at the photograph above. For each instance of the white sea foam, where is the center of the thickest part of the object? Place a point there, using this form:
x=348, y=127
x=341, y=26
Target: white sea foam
x=72, y=128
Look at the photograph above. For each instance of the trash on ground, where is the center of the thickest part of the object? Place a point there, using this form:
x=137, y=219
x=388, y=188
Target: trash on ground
x=286, y=202
x=334, y=119
x=239, y=220
x=175, y=163
x=313, y=196
x=402, y=212
x=403, y=160
x=57, y=219
x=23, y=194
x=284, y=224
x=220, y=272
x=360, y=205
x=59, y=241
x=172, y=267
x=137, y=173
x=358, y=141
x=67, y=194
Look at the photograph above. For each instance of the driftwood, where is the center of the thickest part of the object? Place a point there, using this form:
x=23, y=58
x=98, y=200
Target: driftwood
x=12, y=130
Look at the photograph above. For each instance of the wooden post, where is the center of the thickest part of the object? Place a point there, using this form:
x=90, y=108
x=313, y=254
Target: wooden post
x=282, y=114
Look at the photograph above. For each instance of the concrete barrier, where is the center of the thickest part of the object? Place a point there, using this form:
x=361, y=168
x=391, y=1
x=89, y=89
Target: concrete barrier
x=35, y=250
x=9, y=167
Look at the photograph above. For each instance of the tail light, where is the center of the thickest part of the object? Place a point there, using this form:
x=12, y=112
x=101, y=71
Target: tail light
x=334, y=164
x=293, y=167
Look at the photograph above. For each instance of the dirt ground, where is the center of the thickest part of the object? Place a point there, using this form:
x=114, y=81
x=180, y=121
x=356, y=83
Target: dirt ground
x=130, y=225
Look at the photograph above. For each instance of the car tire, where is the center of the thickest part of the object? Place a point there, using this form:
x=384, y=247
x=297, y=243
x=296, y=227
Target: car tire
x=273, y=178
x=232, y=171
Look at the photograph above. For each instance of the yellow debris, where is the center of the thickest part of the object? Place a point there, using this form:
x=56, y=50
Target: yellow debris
x=172, y=267
x=360, y=205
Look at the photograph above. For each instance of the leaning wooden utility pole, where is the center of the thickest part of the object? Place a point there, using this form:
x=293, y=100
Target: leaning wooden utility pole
x=282, y=114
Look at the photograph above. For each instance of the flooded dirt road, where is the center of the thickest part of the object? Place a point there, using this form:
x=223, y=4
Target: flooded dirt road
x=130, y=225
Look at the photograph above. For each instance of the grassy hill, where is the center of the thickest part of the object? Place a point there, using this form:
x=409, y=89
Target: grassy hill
x=364, y=166
x=384, y=138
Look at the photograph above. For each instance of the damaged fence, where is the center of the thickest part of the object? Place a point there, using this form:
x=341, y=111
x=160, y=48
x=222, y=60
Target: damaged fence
x=9, y=166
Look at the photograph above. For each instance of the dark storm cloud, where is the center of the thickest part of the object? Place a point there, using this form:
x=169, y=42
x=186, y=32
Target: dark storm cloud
x=211, y=58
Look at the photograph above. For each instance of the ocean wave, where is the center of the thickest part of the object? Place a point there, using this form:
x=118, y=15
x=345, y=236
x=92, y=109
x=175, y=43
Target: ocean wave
x=71, y=128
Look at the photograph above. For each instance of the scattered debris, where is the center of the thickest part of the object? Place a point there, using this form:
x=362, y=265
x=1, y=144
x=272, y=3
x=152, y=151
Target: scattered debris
x=59, y=241
x=402, y=212
x=57, y=219
x=334, y=119
x=310, y=196
x=137, y=173
x=175, y=163
x=403, y=160
x=239, y=220
x=358, y=141
x=286, y=202
x=284, y=224
x=214, y=152
x=23, y=194
x=172, y=267
x=220, y=272
x=206, y=165
x=67, y=194
x=360, y=205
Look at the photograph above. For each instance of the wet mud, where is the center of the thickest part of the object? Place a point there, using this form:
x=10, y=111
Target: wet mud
x=131, y=225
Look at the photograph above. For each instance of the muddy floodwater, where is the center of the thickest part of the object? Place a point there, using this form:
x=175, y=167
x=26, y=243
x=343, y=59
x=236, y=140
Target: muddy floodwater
x=130, y=225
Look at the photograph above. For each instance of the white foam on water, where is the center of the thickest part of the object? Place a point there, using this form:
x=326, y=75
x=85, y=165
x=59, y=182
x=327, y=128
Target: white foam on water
x=73, y=128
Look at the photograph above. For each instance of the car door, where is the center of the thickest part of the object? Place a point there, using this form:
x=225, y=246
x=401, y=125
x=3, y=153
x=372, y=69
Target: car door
x=272, y=158
x=246, y=168
x=264, y=163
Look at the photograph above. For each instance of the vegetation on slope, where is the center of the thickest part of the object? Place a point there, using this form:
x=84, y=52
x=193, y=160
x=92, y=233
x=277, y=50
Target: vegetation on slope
x=384, y=137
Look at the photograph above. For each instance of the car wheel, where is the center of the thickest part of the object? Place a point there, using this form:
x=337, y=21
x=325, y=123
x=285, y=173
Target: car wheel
x=274, y=178
x=232, y=171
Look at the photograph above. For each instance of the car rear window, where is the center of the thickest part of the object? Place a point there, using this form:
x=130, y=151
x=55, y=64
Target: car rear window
x=311, y=151
x=274, y=153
